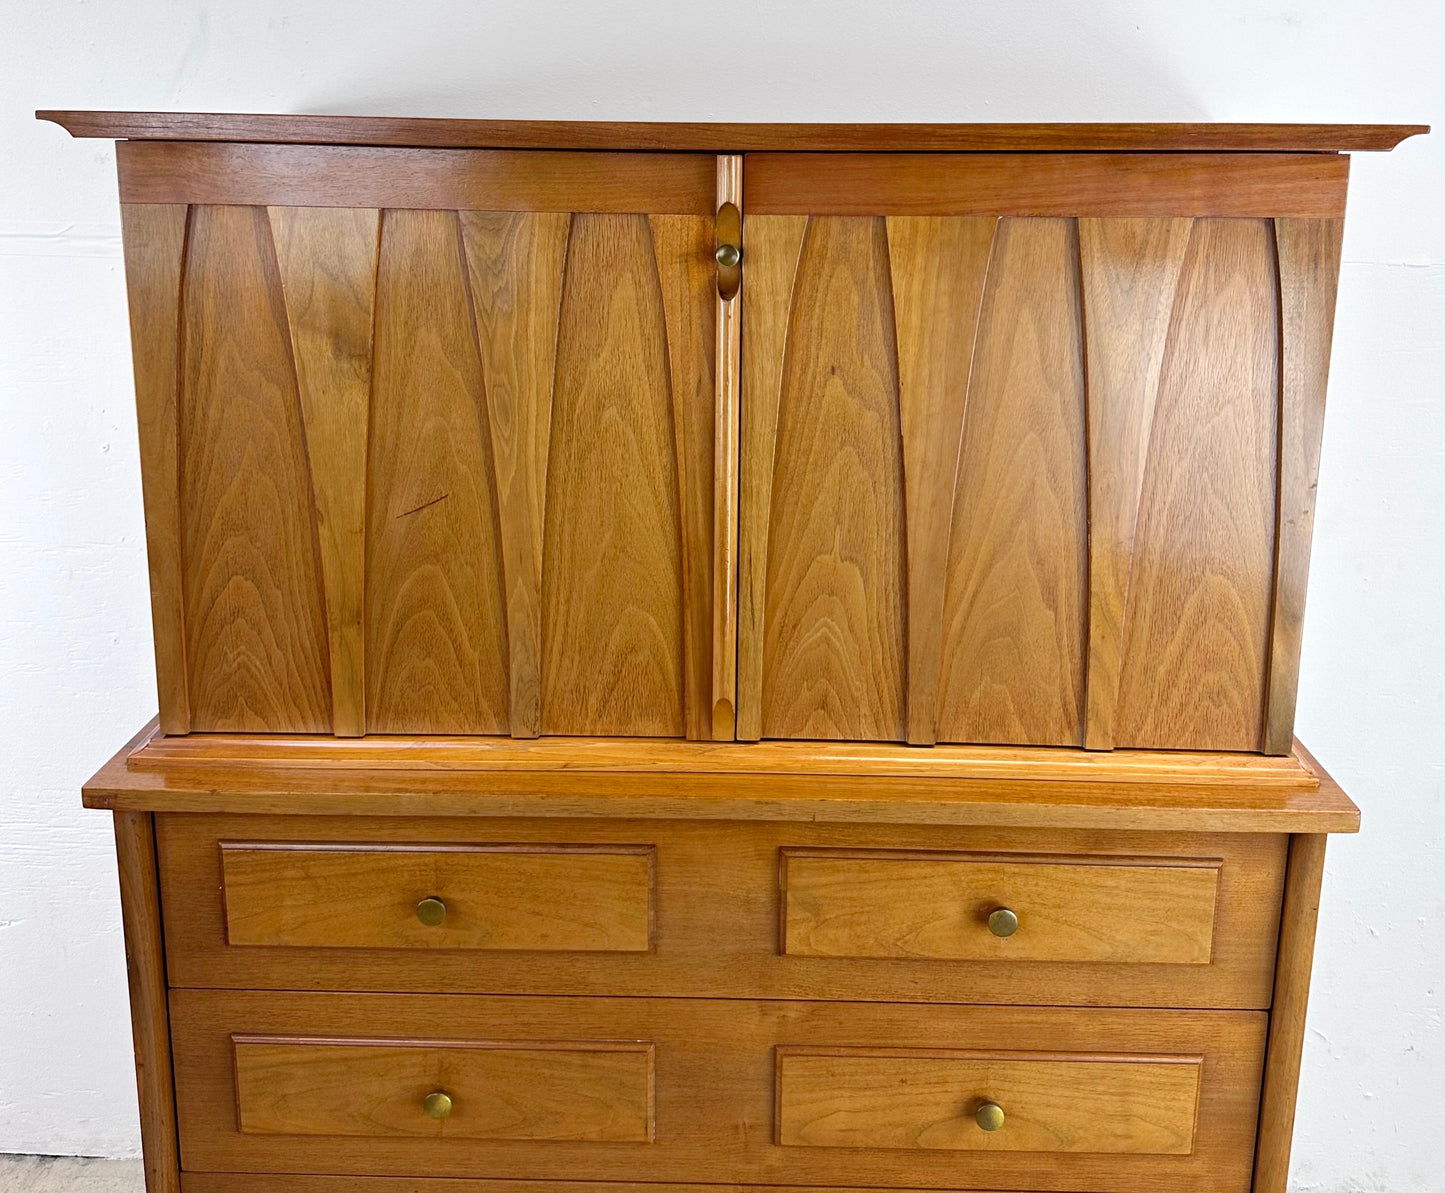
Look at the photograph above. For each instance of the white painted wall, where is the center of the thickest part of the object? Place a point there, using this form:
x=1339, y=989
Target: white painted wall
x=75, y=657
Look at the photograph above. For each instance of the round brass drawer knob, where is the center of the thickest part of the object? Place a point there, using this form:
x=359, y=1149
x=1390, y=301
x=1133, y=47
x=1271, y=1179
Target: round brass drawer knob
x=989, y=1116
x=728, y=255
x=431, y=911
x=1003, y=922
x=437, y=1105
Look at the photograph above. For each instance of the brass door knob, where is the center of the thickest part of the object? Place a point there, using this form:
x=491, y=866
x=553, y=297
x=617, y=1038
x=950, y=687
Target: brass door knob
x=1003, y=922
x=728, y=255
x=431, y=911
x=437, y=1105
x=989, y=1116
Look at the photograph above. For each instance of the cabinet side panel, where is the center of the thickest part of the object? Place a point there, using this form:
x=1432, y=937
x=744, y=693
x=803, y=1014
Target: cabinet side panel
x=155, y=237
x=1014, y=609
x=612, y=615
x=1196, y=630
x=327, y=258
x=255, y=618
x=435, y=620
x=833, y=643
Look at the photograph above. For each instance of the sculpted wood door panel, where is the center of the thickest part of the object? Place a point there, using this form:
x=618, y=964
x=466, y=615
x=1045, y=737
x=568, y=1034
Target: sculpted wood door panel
x=431, y=467
x=1012, y=477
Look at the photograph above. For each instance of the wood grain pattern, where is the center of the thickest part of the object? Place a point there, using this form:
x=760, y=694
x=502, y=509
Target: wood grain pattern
x=772, y=248
x=145, y=965
x=937, y=267
x=416, y=179
x=436, y=626
x=833, y=648
x=1303, y=881
x=327, y=259
x=241, y=1182
x=727, y=371
x=1196, y=633
x=728, y=138
x=715, y=1087
x=718, y=899
x=925, y=1100
x=540, y=1093
x=515, y=262
x=1014, y=606
x=1309, y=270
x=541, y=898
x=612, y=610
x=1157, y=911
x=155, y=244
x=1130, y=272
x=256, y=638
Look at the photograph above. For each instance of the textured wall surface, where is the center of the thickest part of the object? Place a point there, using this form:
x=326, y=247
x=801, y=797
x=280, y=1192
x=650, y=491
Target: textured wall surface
x=75, y=659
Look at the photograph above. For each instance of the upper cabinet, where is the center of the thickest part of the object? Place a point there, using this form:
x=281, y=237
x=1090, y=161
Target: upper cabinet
x=1029, y=445
x=427, y=437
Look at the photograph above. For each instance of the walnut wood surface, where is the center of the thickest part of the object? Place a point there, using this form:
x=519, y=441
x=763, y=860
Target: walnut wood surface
x=727, y=404
x=715, y=1087
x=548, y=1092
x=924, y=1100
x=877, y=904
x=725, y=138
x=724, y=916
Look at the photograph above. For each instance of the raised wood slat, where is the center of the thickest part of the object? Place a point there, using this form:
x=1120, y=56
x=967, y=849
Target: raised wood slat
x=155, y=244
x=936, y=265
x=725, y=138
x=772, y=248
x=728, y=382
x=1309, y=270
x=514, y=266
x=256, y=636
x=327, y=258
x=541, y=898
x=1096, y=909
x=544, y=1093
x=1016, y=590
x=715, y=1087
x=612, y=609
x=1130, y=271
x=436, y=626
x=1195, y=642
x=925, y=1100
x=240, y=1182
x=430, y=179
x=1056, y=184
x=833, y=651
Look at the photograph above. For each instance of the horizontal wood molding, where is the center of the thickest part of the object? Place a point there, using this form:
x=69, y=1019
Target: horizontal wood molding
x=724, y=138
x=1264, y=185
x=425, y=179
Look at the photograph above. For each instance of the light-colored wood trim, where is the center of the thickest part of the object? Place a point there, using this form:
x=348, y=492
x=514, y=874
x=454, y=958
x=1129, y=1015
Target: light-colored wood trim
x=1057, y=184
x=1304, y=877
x=135, y=849
x=728, y=378
x=425, y=179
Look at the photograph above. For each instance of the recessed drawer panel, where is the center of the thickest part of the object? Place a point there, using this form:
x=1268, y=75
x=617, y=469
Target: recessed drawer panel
x=444, y=1090
x=556, y=898
x=988, y=1101
x=981, y=907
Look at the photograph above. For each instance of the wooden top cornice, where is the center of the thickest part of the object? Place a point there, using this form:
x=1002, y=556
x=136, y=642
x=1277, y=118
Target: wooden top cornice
x=732, y=138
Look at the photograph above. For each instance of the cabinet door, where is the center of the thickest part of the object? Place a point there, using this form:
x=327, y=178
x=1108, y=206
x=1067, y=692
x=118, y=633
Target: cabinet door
x=1029, y=444
x=427, y=437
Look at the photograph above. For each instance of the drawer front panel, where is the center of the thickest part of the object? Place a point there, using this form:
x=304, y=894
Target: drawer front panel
x=855, y=904
x=561, y=898
x=1126, y=1104
x=719, y=1116
x=477, y=1089
x=728, y=909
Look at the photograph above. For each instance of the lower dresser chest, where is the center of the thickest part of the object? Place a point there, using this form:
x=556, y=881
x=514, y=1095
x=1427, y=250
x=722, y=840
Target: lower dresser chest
x=441, y=968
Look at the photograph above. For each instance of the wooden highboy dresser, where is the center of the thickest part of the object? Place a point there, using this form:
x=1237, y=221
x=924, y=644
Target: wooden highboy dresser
x=724, y=655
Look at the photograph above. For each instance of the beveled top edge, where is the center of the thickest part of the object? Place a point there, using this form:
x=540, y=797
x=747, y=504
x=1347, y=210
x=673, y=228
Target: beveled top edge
x=429, y=132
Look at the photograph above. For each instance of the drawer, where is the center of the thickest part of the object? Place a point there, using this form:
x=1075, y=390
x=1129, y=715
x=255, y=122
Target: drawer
x=542, y=898
x=962, y=906
x=729, y=1091
x=882, y=913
